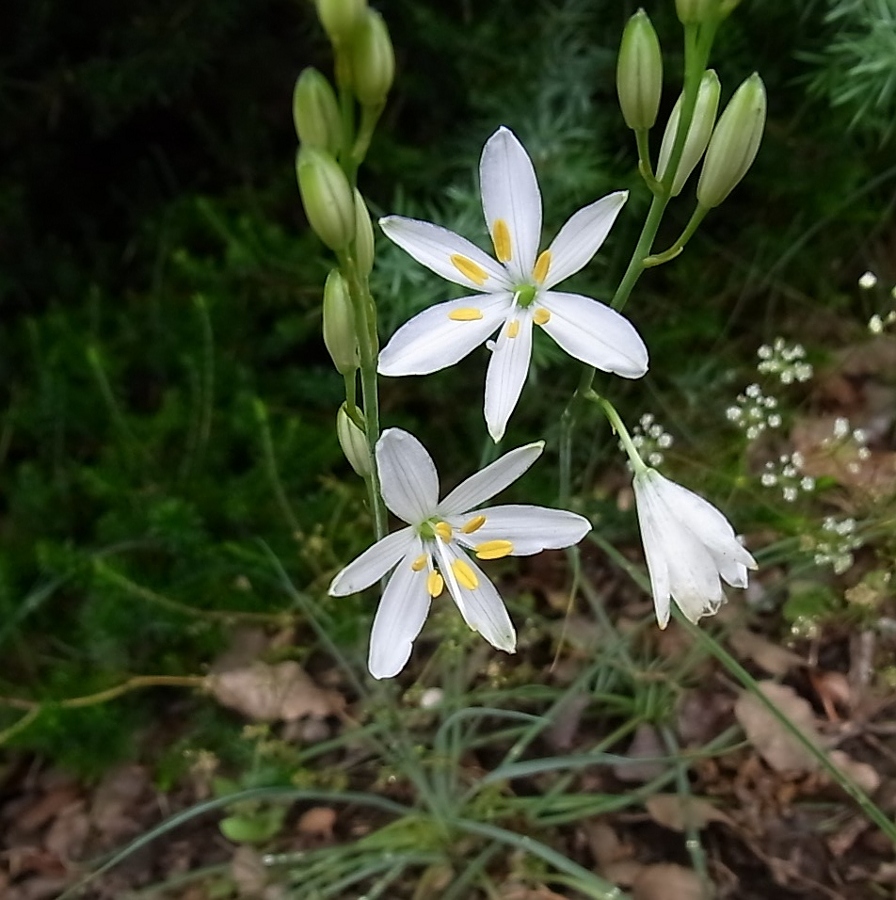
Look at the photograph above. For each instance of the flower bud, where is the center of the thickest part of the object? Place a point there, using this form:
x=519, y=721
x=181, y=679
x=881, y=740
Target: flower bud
x=316, y=112
x=363, y=236
x=373, y=60
x=340, y=18
x=339, y=324
x=353, y=442
x=734, y=143
x=327, y=197
x=639, y=72
x=698, y=134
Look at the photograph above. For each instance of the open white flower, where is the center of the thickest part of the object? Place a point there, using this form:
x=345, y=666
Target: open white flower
x=690, y=548
x=437, y=549
x=513, y=293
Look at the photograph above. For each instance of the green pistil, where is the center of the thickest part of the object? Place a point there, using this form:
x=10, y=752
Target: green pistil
x=427, y=530
x=525, y=295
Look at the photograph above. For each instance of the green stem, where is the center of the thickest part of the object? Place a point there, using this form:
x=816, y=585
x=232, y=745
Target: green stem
x=368, y=350
x=679, y=245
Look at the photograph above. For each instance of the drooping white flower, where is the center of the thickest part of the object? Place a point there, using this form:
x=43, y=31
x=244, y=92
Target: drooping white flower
x=515, y=292
x=690, y=548
x=438, y=547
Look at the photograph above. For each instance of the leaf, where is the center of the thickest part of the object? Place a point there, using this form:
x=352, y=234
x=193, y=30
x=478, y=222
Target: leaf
x=678, y=812
x=666, y=881
x=775, y=659
x=774, y=743
x=267, y=693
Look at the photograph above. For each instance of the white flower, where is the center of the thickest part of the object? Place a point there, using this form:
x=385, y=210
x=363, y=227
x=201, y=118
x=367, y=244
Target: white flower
x=437, y=549
x=513, y=293
x=689, y=547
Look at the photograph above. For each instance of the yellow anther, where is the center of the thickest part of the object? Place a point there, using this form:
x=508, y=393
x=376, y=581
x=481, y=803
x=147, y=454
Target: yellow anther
x=542, y=265
x=473, y=525
x=443, y=530
x=469, y=269
x=513, y=329
x=541, y=316
x=466, y=577
x=465, y=314
x=419, y=563
x=501, y=240
x=494, y=549
x=435, y=584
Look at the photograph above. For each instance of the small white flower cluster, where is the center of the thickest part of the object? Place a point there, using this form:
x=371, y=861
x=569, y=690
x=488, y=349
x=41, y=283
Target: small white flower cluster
x=835, y=548
x=650, y=440
x=786, y=474
x=754, y=411
x=787, y=361
x=877, y=323
x=843, y=432
x=867, y=280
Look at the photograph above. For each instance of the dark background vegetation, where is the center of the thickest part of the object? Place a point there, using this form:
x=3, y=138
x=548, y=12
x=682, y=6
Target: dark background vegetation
x=167, y=406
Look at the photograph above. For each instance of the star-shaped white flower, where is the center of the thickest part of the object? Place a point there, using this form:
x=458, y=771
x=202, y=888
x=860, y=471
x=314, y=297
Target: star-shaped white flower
x=690, y=548
x=516, y=292
x=438, y=547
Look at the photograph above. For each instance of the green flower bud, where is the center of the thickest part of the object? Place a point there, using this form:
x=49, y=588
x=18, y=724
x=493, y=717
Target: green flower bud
x=316, y=112
x=639, y=72
x=327, y=197
x=340, y=18
x=734, y=143
x=339, y=324
x=363, y=236
x=696, y=12
x=698, y=134
x=353, y=442
x=373, y=61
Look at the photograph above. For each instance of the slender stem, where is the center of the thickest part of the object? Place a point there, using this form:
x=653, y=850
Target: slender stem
x=679, y=245
x=368, y=350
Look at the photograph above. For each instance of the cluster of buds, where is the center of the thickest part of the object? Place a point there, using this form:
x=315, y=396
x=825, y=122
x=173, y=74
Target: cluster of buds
x=727, y=147
x=650, y=440
x=754, y=412
x=786, y=475
x=837, y=543
x=787, y=361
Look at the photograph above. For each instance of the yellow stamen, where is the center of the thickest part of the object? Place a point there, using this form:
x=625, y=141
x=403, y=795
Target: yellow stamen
x=541, y=316
x=474, y=524
x=443, y=530
x=419, y=563
x=469, y=269
x=465, y=314
x=435, y=584
x=501, y=240
x=513, y=329
x=466, y=577
x=542, y=265
x=494, y=549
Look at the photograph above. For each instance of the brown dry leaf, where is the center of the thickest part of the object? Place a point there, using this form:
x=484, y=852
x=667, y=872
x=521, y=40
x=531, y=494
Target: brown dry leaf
x=115, y=802
x=863, y=774
x=646, y=745
x=267, y=693
x=774, y=743
x=775, y=659
x=666, y=881
x=248, y=871
x=317, y=822
x=604, y=843
x=678, y=812
x=67, y=835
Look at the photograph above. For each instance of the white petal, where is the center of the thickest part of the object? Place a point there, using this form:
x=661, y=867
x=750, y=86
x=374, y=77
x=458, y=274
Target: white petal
x=594, y=334
x=507, y=372
x=433, y=246
x=409, y=482
x=706, y=522
x=491, y=480
x=580, y=238
x=530, y=529
x=510, y=193
x=372, y=564
x=431, y=341
x=653, y=527
x=482, y=607
x=398, y=620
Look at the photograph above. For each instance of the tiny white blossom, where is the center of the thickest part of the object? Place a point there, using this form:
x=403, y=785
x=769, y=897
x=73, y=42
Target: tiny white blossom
x=514, y=293
x=436, y=550
x=867, y=281
x=689, y=545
